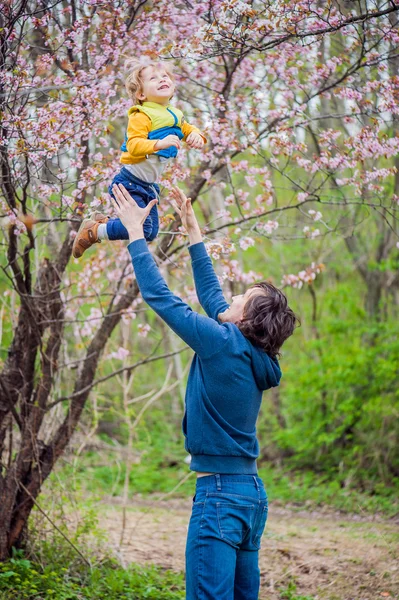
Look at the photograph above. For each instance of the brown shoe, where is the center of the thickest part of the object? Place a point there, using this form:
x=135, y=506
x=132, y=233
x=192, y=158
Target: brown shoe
x=87, y=234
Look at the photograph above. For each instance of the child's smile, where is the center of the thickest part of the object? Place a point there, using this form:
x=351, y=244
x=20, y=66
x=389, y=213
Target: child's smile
x=157, y=86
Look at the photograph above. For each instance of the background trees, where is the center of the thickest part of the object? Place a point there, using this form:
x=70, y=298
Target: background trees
x=300, y=104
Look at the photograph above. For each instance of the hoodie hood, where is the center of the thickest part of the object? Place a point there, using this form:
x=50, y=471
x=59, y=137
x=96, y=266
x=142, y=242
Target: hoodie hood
x=266, y=370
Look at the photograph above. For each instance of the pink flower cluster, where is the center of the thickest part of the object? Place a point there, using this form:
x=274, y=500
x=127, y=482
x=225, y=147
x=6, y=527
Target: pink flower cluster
x=308, y=276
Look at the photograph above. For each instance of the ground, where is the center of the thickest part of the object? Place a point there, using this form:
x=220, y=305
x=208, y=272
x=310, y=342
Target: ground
x=322, y=554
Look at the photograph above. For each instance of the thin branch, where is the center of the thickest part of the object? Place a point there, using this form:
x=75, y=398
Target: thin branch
x=117, y=372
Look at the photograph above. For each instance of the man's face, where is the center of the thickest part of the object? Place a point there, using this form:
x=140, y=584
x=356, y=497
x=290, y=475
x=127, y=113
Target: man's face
x=236, y=310
x=157, y=86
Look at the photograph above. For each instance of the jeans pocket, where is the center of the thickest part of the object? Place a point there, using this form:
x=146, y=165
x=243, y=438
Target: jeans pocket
x=260, y=525
x=198, y=500
x=234, y=521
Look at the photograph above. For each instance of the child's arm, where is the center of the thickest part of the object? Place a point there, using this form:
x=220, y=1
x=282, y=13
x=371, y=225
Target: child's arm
x=193, y=136
x=138, y=145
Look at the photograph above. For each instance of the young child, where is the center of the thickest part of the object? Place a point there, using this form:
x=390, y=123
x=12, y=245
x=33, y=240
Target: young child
x=153, y=136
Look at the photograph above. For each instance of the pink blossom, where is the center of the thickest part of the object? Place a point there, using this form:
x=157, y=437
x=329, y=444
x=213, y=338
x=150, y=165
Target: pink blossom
x=270, y=226
x=246, y=242
x=119, y=354
x=302, y=196
x=223, y=214
x=315, y=214
x=307, y=275
x=143, y=329
x=250, y=179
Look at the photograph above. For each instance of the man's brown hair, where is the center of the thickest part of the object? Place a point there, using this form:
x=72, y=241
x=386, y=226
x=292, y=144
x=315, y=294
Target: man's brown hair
x=268, y=320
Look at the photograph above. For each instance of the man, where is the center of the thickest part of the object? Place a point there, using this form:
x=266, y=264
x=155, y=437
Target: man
x=236, y=349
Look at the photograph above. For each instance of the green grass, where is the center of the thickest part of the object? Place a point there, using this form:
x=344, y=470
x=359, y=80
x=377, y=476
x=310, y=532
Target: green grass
x=21, y=579
x=289, y=593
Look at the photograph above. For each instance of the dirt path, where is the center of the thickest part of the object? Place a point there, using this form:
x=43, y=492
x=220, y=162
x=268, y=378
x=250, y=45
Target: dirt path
x=328, y=556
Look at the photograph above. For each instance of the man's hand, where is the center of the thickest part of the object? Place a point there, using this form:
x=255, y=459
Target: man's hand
x=167, y=142
x=184, y=209
x=195, y=141
x=131, y=215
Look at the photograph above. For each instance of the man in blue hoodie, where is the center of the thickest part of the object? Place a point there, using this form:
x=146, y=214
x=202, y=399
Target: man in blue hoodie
x=235, y=360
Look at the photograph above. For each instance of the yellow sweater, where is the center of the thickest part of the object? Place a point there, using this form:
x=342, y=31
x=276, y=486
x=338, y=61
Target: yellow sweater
x=149, y=122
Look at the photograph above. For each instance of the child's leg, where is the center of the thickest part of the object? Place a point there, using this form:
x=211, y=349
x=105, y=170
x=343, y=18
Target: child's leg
x=115, y=229
x=154, y=212
x=155, y=223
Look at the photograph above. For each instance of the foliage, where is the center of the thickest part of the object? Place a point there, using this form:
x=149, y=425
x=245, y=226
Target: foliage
x=305, y=488
x=22, y=579
x=340, y=402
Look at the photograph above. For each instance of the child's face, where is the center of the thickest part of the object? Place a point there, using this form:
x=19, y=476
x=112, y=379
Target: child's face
x=157, y=86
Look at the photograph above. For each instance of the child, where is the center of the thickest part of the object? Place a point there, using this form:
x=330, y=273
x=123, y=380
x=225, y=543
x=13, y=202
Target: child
x=153, y=138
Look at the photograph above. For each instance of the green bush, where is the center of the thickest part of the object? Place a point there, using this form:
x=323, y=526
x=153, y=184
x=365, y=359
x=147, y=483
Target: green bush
x=339, y=403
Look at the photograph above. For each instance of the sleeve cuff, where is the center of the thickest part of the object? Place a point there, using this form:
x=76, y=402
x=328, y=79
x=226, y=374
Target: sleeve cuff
x=197, y=251
x=201, y=134
x=137, y=247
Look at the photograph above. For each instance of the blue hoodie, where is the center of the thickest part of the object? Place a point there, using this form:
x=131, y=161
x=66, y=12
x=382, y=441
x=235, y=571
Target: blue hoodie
x=227, y=376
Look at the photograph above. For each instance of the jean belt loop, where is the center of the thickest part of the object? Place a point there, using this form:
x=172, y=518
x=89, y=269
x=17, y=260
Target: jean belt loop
x=256, y=482
x=154, y=192
x=218, y=482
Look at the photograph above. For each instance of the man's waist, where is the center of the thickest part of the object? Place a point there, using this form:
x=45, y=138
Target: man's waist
x=208, y=464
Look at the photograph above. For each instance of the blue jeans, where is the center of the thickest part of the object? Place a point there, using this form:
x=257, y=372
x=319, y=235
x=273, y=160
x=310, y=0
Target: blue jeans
x=142, y=193
x=227, y=521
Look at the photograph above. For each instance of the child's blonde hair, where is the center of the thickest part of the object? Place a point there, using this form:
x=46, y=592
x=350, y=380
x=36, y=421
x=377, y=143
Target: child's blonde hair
x=134, y=80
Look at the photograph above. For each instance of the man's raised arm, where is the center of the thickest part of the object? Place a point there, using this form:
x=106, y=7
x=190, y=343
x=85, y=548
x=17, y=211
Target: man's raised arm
x=204, y=335
x=209, y=292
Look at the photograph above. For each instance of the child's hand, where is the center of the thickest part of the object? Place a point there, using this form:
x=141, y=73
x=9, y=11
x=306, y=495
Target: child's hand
x=195, y=141
x=167, y=142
